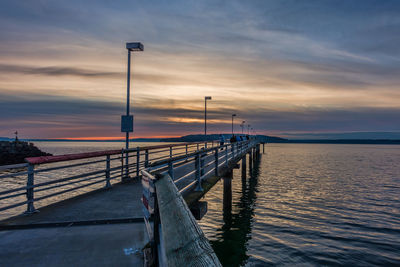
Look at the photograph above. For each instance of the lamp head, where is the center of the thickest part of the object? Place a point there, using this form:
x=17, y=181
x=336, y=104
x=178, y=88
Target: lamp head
x=135, y=46
x=207, y=97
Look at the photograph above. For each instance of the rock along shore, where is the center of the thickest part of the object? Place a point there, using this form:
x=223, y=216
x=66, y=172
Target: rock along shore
x=15, y=152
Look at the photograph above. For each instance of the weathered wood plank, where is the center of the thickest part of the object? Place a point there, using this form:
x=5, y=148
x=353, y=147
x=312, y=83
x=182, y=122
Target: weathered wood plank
x=184, y=242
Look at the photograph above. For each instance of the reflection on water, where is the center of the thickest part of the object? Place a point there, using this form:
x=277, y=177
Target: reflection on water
x=231, y=245
x=311, y=205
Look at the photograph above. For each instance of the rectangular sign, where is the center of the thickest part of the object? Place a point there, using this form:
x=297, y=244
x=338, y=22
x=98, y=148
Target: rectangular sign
x=127, y=123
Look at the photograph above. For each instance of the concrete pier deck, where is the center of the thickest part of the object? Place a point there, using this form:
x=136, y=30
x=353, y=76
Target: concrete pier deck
x=104, y=227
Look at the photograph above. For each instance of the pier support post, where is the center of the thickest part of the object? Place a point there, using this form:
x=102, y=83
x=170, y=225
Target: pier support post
x=263, y=147
x=244, y=167
x=227, y=198
x=251, y=159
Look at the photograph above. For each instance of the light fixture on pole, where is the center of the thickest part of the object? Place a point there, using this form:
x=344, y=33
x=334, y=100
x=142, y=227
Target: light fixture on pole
x=205, y=115
x=248, y=129
x=127, y=120
x=242, y=125
x=233, y=115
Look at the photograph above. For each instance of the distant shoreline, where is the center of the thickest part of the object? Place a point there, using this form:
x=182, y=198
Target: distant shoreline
x=319, y=141
x=200, y=138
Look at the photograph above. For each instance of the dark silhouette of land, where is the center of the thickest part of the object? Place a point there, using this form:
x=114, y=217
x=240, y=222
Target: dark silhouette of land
x=15, y=152
x=211, y=137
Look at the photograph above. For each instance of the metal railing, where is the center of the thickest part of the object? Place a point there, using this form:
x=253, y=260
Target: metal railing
x=178, y=176
x=50, y=179
x=187, y=171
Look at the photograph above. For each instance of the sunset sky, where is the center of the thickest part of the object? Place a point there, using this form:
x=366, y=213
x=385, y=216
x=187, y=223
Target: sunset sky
x=286, y=67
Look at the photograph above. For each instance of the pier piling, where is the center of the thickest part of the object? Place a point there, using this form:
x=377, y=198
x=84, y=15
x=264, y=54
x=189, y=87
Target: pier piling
x=244, y=167
x=227, y=198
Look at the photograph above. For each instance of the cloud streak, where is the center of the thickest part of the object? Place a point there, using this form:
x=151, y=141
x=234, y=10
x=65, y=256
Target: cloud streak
x=283, y=65
x=56, y=71
x=75, y=117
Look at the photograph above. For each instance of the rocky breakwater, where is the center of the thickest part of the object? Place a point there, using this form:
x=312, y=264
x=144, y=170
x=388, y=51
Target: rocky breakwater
x=16, y=151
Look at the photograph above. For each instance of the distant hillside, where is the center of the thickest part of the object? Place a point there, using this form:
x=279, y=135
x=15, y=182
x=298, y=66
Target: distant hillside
x=210, y=137
x=346, y=141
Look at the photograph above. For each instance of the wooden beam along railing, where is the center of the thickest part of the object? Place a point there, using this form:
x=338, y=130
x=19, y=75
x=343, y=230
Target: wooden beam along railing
x=171, y=245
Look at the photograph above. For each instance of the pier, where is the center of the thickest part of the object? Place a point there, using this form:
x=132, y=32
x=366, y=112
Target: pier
x=104, y=207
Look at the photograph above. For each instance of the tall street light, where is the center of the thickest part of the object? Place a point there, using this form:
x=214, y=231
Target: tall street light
x=205, y=115
x=242, y=125
x=127, y=120
x=248, y=129
x=233, y=115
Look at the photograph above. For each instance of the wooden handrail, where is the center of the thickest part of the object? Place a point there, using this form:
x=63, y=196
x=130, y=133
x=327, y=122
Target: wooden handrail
x=66, y=157
x=184, y=242
x=51, y=159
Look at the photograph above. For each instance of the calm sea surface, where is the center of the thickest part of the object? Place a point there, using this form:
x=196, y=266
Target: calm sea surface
x=311, y=204
x=303, y=204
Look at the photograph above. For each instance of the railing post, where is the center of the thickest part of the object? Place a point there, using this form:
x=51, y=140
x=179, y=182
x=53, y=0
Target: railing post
x=126, y=166
x=186, y=151
x=108, y=184
x=226, y=155
x=29, y=190
x=197, y=147
x=146, y=158
x=137, y=162
x=170, y=152
x=216, y=161
x=171, y=170
x=122, y=165
x=202, y=164
x=198, y=176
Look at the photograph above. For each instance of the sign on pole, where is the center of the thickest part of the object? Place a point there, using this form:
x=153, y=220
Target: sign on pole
x=127, y=123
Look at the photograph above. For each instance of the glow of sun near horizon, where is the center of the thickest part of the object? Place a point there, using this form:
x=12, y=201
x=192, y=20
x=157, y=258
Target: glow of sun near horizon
x=285, y=67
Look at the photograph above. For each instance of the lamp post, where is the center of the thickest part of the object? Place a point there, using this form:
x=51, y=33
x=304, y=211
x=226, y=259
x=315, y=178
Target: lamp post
x=233, y=115
x=205, y=114
x=242, y=125
x=127, y=120
x=248, y=129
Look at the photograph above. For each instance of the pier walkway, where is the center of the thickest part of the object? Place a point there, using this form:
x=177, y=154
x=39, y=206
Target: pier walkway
x=104, y=226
